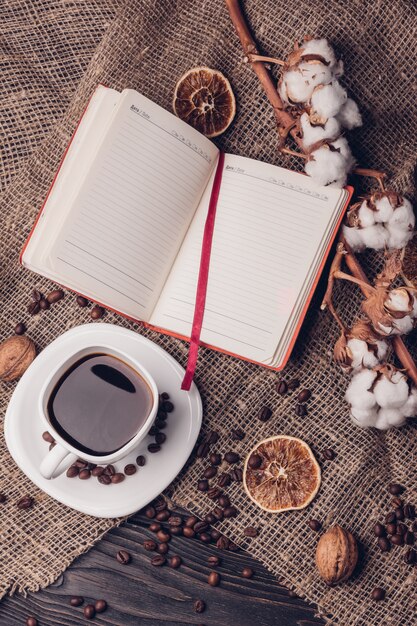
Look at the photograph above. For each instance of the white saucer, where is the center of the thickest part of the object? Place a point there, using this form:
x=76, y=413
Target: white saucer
x=23, y=429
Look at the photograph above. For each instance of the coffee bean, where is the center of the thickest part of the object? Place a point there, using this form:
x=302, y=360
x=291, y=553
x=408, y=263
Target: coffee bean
x=154, y=447
x=110, y=470
x=188, y=532
x=293, y=384
x=202, y=450
x=215, y=534
x=237, y=434
x=224, y=480
x=44, y=304
x=158, y=561
x=212, y=437
x=24, y=503
x=315, y=525
x=160, y=438
x=174, y=520
x=31, y=621
x=397, y=540
x=140, y=460
x=223, y=543
x=85, y=474
x=329, y=454
x=163, y=536
x=154, y=527
x=409, y=538
x=205, y=537
x=231, y=457
x=162, y=516
x=247, y=572
x=392, y=528
x=199, y=606
x=264, y=414
x=176, y=531
x=149, y=545
x=282, y=387
x=409, y=511
x=379, y=530
x=378, y=594
x=33, y=308
x=162, y=548
x=3, y=498
x=20, y=328
x=191, y=521
x=89, y=611
x=175, y=562
x=100, y=606
x=215, y=458
x=304, y=396
x=410, y=556
x=200, y=527
x=72, y=471
x=210, y=519
x=96, y=312
x=202, y=485
x=130, y=469
x=76, y=600
x=390, y=518
x=210, y=472
x=153, y=431
x=104, y=479
x=213, y=561
x=255, y=461
x=124, y=557
x=167, y=406
x=301, y=410
x=164, y=395
x=237, y=474
x=399, y=513
x=384, y=544
x=218, y=514
x=55, y=296
x=160, y=424
x=250, y=531
x=224, y=500
x=214, y=492
x=230, y=511
x=401, y=529
x=396, y=489
x=397, y=502
x=118, y=478
x=80, y=463
x=213, y=579
x=36, y=295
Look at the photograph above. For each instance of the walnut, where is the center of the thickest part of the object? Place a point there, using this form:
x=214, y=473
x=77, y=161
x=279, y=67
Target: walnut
x=16, y=354
x=336, y=555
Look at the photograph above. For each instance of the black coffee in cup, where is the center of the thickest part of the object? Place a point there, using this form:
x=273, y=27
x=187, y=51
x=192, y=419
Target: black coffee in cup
x=99, y=404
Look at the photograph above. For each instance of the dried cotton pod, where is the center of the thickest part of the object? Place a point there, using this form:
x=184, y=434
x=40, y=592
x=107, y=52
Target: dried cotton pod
x=16, y=354
x=336, y=555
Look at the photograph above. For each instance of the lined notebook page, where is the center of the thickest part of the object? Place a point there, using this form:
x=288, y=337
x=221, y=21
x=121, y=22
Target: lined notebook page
x=270, y=224
x=130, y=216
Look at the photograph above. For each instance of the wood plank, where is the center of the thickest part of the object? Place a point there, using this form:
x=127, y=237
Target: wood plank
x=139, y=593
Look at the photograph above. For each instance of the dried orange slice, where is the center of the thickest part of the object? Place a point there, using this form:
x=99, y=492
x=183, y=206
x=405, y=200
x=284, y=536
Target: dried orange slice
x=281, y=474
x=204, y=99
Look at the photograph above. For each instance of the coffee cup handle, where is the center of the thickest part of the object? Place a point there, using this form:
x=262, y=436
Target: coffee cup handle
x=53, y=461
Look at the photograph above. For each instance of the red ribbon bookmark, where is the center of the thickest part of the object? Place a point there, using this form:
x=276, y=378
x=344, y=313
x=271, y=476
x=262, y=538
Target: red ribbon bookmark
x=200, y=298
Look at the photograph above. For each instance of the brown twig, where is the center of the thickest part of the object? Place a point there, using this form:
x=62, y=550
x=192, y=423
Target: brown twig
x=260, y=57
x=379, y=176
x=294, y=153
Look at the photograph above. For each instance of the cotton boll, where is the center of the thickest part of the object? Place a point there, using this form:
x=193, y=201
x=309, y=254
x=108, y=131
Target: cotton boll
x=388, y=418
x=403, y=325
x=365, y=418
x=403, y=215
x=384, y=209
x=360, y=354
x=398, y=300
x=349, y=115
x=375, y=237
x=294, y=88
x=326, y=166
x=409, y=409
x=312, y=133
x=327, y=100
x=366, y=215
x=353, y=238
x=398, y=236
x=357, y=394
x=342, y=145
x=316, y=73
x=391, y=393
x=322, y=48
x=382, y=349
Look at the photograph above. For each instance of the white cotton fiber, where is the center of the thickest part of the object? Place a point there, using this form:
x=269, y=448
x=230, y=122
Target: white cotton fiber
x=398, y=300
x=387, y=418
x=353, y=238
x=365, y=418
x=342, y=144
x=312, y=133
x=375, y=237
x=357, y=394
x=403, y=215
x=401, y=326
x=294, y=88
x=409, y=409
x=316, y=73
x=384, y=209
x=391, y=394
x=326, y=166
x=349, y=115
x=362, y=356
x=327, y=100
x=398, y=236
x=366, y=215
x=322, y=48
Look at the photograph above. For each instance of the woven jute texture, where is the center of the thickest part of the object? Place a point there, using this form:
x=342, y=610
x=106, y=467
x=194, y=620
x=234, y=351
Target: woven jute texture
x=52, y=55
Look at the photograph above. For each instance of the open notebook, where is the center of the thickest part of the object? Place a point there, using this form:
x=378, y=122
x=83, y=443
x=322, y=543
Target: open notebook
x=124, y=220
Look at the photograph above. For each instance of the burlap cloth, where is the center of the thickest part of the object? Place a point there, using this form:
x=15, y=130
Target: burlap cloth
x=52, y=55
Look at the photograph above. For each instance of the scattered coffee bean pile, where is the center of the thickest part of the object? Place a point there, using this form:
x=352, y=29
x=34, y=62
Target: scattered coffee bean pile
x=283, y=388
x=400, y=526
x=90, y=610
x=41, y=303
x=107, y=474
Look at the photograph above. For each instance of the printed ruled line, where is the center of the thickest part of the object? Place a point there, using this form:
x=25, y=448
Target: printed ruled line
x=276, y=182
x=109, y=264
x=100, y=281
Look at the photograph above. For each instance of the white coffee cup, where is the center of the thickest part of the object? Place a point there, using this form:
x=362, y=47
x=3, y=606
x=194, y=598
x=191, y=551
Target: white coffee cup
x=63, y=454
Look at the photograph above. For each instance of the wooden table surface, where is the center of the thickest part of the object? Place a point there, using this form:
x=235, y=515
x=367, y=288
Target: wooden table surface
x=141, y=594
